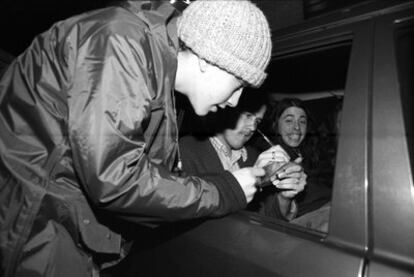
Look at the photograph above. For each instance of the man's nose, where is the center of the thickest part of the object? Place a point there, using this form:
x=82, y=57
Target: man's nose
x=296, y=126
x=234, y=99
x=252, y=123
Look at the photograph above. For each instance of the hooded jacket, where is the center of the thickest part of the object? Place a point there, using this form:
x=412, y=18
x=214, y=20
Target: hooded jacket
x=88, y=125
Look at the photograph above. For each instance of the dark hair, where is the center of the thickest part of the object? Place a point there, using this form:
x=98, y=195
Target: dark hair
x=251, y=101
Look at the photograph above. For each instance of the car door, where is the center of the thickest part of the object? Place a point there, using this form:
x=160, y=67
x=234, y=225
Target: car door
x=392, y=204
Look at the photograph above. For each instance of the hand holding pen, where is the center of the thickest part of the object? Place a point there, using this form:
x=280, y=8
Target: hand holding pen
x=276, y=163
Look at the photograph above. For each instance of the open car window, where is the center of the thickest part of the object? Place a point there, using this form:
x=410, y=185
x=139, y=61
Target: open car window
x=317, y=76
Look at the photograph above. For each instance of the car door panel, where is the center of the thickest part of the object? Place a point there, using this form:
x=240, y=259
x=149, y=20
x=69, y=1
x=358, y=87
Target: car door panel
x=239, y=245
x=392, y=206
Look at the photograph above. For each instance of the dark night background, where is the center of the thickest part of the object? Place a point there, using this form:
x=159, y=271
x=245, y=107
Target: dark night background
x=20, y=21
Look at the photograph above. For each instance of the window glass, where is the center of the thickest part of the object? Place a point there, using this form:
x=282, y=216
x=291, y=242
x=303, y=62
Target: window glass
x=316, y=77
x=405, y=61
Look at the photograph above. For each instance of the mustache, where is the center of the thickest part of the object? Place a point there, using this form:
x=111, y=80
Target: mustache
x=247, y=133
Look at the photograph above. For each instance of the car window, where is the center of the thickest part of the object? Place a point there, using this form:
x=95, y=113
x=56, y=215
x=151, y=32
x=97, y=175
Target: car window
x=317, y=76
x=404, y=40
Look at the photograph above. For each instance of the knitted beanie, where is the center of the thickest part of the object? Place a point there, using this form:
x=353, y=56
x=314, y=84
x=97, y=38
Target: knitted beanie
x=231, y=34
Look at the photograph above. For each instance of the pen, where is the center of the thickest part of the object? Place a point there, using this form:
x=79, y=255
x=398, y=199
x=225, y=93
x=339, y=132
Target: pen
x=265, y=137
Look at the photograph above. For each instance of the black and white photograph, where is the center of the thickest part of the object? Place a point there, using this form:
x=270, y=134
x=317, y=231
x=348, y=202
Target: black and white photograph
x=187, y=138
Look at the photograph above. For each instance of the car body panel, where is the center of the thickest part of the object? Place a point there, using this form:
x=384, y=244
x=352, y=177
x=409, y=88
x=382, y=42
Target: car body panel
x=392, y=182
x=348, y=221
x=239, y=245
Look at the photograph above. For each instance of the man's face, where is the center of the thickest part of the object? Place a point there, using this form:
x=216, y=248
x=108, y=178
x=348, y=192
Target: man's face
x=207, y=86
x=292, y=126
x=216, y=89
x=246, y=126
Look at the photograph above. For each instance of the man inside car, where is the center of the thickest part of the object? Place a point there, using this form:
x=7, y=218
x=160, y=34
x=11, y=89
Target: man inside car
x=221, y=146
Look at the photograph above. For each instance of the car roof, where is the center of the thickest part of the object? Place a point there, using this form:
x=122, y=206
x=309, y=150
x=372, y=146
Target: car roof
x=346, y=15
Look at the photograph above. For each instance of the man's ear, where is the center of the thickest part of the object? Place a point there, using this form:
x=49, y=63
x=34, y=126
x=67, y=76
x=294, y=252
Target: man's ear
x=202, y=64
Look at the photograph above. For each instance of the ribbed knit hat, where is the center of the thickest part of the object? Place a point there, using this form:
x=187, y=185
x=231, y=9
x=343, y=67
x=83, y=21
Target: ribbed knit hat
x=231, y=34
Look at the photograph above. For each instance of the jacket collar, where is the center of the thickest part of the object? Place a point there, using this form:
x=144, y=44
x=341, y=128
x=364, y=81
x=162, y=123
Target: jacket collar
x=159, y=8
x=155, y=14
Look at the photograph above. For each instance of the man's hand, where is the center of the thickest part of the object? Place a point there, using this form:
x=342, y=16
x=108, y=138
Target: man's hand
x=273, y=154
x=248, y=177
x=291, y=181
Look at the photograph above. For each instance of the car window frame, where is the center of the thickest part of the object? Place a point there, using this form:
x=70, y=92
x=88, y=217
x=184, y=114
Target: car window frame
x=349, y=207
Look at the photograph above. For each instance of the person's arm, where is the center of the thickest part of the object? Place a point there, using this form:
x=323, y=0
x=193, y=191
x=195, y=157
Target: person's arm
x=287, y=207
x=109, y=104
x=289, y=183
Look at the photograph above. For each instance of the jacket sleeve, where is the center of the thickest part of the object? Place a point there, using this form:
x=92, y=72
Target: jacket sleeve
x=109, y=107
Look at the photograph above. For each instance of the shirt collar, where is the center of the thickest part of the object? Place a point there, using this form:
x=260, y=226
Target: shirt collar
x=229, y=153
